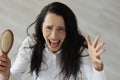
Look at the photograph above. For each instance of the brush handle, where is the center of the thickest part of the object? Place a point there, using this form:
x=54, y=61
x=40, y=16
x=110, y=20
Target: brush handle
x=6, y=41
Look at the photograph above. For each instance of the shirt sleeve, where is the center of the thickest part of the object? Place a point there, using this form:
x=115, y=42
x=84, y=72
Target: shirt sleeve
x=89, y=71
x=22, y=60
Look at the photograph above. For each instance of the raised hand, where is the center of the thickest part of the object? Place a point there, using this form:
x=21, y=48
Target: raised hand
x=95, y=50
x=6, y=42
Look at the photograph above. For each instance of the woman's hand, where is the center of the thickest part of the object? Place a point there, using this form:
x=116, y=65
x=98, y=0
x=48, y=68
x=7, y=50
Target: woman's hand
x=95, y=50
x=5, y=65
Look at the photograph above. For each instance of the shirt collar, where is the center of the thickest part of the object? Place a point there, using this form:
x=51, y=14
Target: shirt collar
x=49, y=51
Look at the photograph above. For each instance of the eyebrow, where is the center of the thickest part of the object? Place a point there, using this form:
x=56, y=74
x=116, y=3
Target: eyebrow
x=58, y=26
x=49, y=25
x=61, y=26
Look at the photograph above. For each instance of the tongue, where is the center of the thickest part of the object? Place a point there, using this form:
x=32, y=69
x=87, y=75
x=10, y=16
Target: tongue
x=54, y=45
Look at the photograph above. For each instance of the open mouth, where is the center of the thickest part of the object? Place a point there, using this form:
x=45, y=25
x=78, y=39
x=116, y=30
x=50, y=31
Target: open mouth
x=54, y=43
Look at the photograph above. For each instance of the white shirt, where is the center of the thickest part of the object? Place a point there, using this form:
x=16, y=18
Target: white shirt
x=49, y=72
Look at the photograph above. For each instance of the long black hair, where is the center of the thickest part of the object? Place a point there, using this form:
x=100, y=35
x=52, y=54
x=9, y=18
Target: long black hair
x=72, y=46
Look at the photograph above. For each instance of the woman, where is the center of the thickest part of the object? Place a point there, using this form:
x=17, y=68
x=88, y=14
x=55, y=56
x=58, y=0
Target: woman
x=57, y=51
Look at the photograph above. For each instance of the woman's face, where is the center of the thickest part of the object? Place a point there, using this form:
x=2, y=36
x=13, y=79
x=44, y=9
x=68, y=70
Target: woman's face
x=53, y=30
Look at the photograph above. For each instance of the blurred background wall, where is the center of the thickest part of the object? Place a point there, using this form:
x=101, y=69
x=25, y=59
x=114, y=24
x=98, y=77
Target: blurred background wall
x=95, y=17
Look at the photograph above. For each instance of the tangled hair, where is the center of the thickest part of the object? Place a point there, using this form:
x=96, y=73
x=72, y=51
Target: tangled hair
x=72, y=46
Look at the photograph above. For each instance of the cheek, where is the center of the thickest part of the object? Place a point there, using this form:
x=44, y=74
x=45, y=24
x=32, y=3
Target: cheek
x=63, y=35
x=45, y=33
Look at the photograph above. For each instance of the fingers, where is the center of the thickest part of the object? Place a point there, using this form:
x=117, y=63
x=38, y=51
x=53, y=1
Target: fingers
x=95, y=42
x=3, y=65
x=100, y=52
x=99, y=46
x=3, y=59
x=3, y=62
x=88, y=40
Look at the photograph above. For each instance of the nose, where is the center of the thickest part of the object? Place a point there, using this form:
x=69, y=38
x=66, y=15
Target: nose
x=54, y=34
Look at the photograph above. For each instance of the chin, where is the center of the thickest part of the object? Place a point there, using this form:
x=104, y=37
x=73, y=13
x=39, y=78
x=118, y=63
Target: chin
x=54, y=50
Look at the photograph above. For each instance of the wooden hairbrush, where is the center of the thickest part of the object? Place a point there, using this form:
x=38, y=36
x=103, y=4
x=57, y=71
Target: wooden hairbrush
x=6, y=41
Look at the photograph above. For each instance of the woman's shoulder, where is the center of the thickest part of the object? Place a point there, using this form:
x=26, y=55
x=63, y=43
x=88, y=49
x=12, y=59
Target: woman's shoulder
x=30, y=40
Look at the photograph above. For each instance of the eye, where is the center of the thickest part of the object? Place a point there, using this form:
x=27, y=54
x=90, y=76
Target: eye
x=61, y=29
x=49, y=27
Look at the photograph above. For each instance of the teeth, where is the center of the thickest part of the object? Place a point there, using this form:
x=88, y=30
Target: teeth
x=54, y=41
